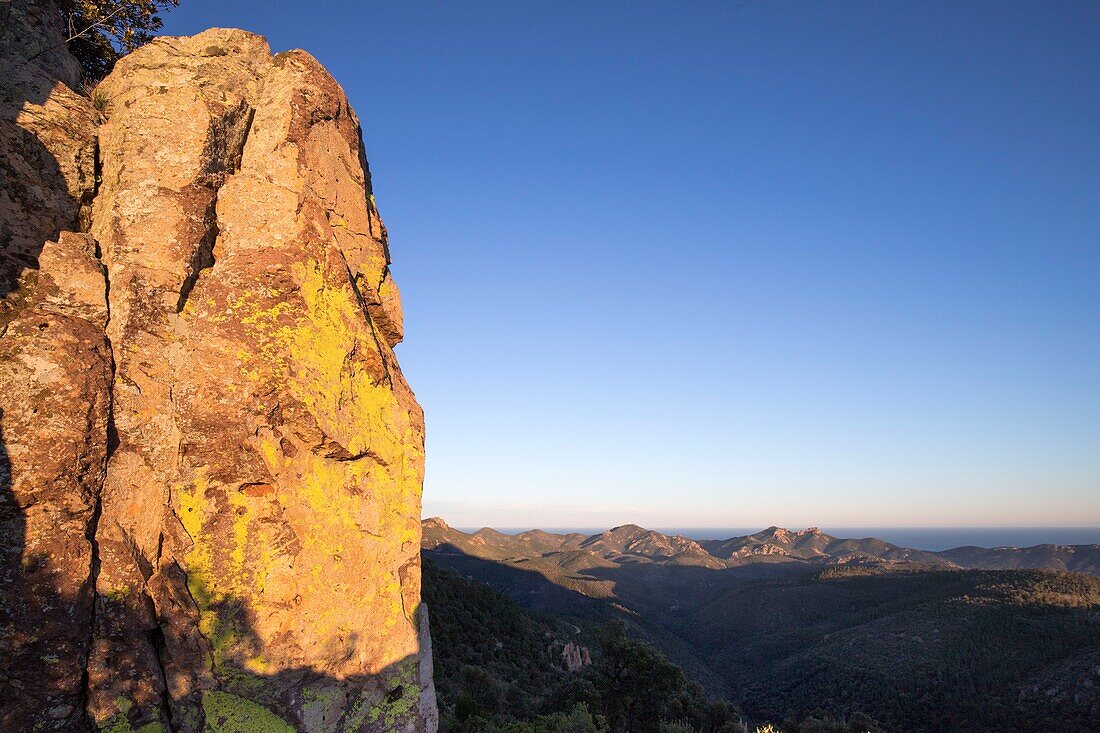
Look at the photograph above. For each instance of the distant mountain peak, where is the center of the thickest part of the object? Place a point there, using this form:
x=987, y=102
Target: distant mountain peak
x=777, y=533
x=631, y=543
x=626, y=528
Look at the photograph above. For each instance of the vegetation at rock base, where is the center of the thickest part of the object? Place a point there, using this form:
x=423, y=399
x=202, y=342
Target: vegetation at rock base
x=100, y=31
x=489, y=654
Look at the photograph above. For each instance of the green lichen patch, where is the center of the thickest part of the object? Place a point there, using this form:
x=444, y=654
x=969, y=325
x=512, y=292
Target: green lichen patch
x=120, y=723
x=227, y=713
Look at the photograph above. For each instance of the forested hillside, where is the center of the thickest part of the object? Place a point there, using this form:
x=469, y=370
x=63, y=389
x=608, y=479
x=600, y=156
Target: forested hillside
x=919, y=650
x=916, y=647
x=501, y=669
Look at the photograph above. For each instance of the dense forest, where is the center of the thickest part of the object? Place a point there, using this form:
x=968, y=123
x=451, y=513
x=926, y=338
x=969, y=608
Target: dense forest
x=500, y=669
x=919, y=649
x=913, y=648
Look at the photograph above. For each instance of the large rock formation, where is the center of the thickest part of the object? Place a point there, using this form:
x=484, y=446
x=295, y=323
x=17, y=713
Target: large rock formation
x=211, y=466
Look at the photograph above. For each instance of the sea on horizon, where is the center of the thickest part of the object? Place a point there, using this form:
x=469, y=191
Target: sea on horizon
x=933, y=539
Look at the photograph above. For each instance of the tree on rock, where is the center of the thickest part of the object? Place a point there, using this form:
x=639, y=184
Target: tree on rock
x=100, y=31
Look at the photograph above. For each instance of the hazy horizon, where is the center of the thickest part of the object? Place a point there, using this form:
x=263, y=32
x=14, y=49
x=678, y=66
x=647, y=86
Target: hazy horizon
x=654, y=516
x=735, y=263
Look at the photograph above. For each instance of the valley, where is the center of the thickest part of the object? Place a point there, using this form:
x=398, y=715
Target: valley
x=783, y=623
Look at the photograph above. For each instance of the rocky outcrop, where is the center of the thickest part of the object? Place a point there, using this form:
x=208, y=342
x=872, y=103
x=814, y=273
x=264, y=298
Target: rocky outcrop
x=575, y=656
x=213, y=462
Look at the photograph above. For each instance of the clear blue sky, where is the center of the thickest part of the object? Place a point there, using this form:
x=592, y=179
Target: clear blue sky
x=741, y=263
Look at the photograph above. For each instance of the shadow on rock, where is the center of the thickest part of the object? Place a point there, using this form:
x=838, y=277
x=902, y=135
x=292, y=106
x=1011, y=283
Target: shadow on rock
x=47, y=142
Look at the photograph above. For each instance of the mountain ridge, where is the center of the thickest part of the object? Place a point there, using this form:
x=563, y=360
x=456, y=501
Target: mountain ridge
x=634, y=543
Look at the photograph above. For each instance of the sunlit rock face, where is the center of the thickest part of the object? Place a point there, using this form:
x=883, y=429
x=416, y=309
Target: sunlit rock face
x=234, y=515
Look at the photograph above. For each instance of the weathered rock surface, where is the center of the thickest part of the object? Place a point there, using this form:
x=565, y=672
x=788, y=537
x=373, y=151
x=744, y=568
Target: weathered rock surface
x=55, y=372
x=47, y=141
x=214, y=464
x=55, y=377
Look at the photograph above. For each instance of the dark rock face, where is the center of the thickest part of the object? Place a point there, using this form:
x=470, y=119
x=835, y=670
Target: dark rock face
x=211, y=464
x=55, y=377
x=55, y=368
